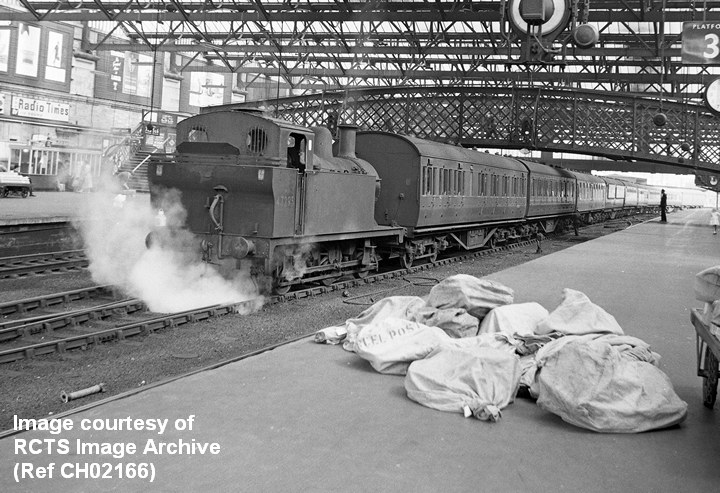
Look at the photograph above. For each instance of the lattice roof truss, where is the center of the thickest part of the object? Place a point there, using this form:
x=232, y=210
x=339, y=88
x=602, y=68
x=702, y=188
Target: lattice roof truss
x=354, y=44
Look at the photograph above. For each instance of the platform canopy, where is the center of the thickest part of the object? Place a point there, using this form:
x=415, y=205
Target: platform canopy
x=609, y=45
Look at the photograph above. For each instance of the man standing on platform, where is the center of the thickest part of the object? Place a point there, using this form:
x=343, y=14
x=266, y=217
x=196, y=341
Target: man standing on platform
x=663, y=206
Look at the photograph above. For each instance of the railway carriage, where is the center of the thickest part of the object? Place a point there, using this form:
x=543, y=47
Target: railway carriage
x=631, y=197
x=614, y=196
x=590, y=192
x=551, y=195
x=443, y=195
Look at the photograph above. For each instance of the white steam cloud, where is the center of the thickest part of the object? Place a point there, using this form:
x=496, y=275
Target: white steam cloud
x=169, y=278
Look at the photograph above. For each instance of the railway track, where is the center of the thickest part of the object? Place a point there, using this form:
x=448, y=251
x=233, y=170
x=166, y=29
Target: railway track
x=47, y=324
x=42, y=263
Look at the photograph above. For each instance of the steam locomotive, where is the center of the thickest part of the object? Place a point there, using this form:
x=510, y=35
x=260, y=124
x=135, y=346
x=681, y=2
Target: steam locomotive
x=266, y=196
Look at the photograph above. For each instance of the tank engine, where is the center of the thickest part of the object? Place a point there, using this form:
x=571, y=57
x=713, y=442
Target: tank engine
x=268, y=196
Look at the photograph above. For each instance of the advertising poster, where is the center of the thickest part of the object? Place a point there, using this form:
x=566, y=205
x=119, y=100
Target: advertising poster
x=4, y=49
x=130, y=75
x=117, y=70
x=54, y=69
x=144, y=75
x=206, y=89
x=28, y=50
x=137, y=74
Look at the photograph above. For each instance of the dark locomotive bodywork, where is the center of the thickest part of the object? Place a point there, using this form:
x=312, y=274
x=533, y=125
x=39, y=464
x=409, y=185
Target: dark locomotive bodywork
x=267, y=196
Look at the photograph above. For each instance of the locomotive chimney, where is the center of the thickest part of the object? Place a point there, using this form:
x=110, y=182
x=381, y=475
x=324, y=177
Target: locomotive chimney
x=346, y=140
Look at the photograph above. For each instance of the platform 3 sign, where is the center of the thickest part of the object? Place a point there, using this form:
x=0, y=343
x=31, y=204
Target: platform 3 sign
x=701, y=43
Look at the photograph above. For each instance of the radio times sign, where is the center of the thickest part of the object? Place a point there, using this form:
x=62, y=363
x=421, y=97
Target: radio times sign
x=701, y=43
x=40, y=108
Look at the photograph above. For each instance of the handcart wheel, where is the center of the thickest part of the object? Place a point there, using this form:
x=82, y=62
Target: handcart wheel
x=710, y=381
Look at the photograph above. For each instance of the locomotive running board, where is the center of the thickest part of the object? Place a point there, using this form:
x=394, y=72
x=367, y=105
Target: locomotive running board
x=463, y=227
x=375, y=233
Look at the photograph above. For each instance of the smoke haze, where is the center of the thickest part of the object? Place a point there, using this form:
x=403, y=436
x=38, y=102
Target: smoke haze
x=168, y=278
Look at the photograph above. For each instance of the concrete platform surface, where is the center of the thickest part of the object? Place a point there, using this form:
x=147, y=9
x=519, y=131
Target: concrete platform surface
x=306, y=417
x=48, y=207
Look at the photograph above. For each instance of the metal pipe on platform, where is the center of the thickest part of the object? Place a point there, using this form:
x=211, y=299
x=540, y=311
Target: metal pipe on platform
x=95, y=389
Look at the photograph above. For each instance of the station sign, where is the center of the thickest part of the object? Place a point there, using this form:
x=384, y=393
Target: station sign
x=701, y=43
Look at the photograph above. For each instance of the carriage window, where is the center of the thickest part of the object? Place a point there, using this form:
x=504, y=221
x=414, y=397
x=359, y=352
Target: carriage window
x=428, y=180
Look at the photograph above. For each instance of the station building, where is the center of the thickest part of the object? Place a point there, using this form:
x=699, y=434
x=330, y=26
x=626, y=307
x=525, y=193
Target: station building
x=66, y=109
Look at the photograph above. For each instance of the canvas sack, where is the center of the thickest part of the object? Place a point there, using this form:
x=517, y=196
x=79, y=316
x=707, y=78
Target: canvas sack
x=474, y=380
x=391, y=344
x=476, y=296
x=590, y=384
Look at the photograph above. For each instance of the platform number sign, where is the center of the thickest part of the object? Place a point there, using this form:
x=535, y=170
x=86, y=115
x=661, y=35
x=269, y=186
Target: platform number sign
x=701, y=43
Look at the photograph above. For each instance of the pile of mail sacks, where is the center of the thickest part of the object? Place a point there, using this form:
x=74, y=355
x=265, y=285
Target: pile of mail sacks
x=468, y=348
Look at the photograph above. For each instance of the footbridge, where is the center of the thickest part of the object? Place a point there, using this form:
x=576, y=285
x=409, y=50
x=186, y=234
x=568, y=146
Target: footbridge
x=627, y=132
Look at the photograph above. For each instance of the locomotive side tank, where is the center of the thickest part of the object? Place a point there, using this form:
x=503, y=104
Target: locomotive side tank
x=267, y=195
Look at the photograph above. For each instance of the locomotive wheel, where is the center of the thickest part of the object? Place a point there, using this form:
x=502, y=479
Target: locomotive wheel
x=433, y=257
x=407, y=259
x=360, y=274
x=710, y=381
x=281, y=290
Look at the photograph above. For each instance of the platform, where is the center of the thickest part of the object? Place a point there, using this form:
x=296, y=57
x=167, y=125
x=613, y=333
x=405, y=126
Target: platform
x=307, y=417
x=48, y=207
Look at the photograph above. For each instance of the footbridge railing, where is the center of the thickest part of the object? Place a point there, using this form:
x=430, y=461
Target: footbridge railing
x=613, y=125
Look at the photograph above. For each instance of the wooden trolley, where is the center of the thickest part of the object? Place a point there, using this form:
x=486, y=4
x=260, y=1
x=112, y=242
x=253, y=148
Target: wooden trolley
x=708, y=354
